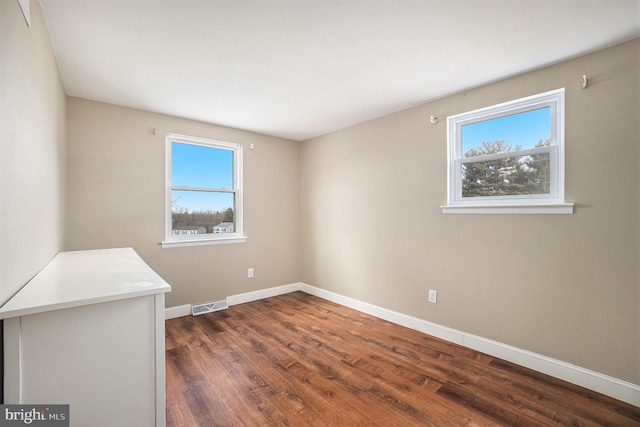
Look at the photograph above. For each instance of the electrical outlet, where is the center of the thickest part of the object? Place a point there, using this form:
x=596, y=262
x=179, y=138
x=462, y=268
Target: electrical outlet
x=250, y=273
x=433, y=296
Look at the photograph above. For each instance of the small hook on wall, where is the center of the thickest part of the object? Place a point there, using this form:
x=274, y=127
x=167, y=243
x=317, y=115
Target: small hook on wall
x=585, y=82
x=252, y=146
x=434, y=120
x=154, y=130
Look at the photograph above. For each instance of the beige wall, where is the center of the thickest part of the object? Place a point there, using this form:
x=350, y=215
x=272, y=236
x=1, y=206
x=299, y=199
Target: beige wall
x=32, y=148
x=565, y=286
x=116, y=184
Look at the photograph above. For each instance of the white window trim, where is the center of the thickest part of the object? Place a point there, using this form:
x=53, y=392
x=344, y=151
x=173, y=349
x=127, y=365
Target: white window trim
x=555, y=208
x=553, y=203
x=171, y=241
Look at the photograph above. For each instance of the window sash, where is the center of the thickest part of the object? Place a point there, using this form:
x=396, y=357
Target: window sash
x=506, y=199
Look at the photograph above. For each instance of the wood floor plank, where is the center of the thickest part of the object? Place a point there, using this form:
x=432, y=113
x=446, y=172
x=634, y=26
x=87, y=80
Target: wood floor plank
x=382, y=386
x=299, y=360
x=535, y=396
x=573, y=395
x=271, y=359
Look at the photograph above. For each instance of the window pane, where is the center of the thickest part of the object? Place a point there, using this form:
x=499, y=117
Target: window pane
x=201, y=167
x=508, y=133
x=199, y=212
x=510, y=176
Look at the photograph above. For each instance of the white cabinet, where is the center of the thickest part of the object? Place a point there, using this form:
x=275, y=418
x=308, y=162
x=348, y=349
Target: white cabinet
x=88, y=331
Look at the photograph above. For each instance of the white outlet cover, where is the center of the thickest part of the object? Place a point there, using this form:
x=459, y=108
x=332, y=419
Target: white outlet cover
x=433, y=296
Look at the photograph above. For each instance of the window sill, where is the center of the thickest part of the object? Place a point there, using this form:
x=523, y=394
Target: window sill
x=203, y=242
x=540, y=209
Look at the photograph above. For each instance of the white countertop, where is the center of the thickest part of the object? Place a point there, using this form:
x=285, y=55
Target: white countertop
x=78, y=278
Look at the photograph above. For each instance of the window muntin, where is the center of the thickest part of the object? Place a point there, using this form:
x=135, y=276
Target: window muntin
x=508, y=154
x=204, y=200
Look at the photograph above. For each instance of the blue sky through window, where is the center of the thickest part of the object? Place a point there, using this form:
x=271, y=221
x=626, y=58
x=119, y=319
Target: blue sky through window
x=523, y=129
x=201, y=167
x=194, y=201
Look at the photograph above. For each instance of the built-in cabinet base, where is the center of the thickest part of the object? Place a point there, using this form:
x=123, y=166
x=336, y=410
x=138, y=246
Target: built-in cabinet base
x=105, y=357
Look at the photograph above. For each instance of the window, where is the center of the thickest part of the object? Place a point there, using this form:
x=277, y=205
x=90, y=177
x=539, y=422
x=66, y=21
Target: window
x=508, y=158
x=204, y=192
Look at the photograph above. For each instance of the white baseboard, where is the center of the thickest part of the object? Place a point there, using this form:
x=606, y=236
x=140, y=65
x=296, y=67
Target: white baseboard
x=177, y=311
x=263, y=293
x=610, y=386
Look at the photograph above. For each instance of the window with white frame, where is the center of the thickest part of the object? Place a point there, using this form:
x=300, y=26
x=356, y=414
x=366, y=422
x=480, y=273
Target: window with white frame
x=508, y=158
x=203, y=192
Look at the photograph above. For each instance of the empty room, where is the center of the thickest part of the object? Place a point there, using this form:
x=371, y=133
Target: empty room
x=320, y=212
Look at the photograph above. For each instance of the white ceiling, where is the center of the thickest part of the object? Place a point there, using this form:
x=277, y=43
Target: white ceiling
x=302, y=68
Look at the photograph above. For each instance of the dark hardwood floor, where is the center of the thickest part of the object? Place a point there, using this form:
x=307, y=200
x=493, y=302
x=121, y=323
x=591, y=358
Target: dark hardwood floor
x=298, y=360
